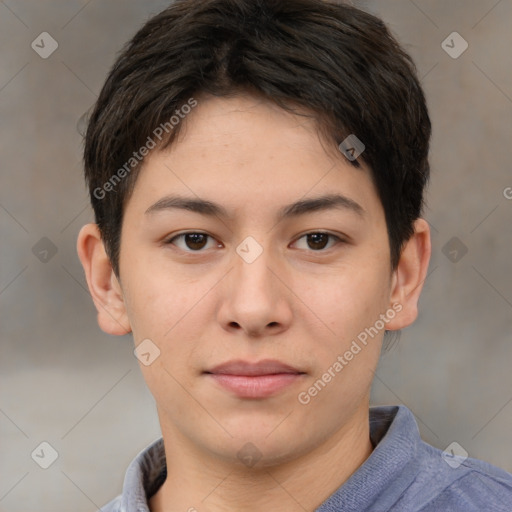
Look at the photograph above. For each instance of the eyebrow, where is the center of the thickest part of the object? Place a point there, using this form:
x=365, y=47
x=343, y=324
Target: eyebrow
x=301, y=207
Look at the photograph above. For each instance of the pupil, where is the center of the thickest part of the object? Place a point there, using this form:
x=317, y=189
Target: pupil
x=316, y=239
x=195, y=238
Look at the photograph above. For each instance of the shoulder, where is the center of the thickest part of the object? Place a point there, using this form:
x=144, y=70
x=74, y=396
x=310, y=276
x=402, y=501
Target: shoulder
x=457, y=484
x=419, y=477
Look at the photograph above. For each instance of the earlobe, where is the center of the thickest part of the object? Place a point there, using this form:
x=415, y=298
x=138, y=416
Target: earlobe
x=410, y=275
x=102, y=282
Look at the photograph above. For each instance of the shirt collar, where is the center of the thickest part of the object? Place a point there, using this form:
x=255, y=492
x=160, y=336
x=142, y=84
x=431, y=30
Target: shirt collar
x=144, y=476
x=390, y=468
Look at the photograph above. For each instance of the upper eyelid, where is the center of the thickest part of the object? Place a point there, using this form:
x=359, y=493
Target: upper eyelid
x=170, y=239
x=299, y=236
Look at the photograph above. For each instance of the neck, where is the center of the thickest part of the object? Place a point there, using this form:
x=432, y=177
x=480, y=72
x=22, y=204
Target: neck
x=198, y=482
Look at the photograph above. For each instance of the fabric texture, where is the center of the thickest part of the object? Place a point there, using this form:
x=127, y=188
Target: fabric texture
x=403, y=474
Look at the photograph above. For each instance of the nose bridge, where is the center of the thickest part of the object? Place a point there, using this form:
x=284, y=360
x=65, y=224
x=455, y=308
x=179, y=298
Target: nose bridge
x=251, y=267
x=253, y=296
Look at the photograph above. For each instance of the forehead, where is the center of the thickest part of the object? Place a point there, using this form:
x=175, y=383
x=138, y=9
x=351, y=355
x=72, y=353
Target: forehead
x=254, y=124
x=245, y=151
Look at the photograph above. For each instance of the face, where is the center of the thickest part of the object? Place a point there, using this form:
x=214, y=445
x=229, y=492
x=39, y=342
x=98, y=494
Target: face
x=255, y=279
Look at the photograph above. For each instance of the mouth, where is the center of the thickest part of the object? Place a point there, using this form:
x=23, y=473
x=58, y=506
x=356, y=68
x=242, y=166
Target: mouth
x=254, y=380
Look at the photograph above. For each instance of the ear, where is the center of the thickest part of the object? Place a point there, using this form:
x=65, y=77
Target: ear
x=408, y=278
x=103, y=284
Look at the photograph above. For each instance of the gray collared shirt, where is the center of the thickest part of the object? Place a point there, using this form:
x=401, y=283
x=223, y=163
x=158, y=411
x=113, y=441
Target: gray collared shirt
x=403, y=474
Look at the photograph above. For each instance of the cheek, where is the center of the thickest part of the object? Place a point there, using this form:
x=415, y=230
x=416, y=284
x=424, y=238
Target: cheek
x=165, y=311
x=153, y=303
x=346, y=347
x=348, y=299
x=171, y=310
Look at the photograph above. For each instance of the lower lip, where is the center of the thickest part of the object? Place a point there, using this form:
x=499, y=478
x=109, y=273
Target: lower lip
x=259, y=386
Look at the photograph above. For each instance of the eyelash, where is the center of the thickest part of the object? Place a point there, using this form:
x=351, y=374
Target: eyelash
x=182, y=235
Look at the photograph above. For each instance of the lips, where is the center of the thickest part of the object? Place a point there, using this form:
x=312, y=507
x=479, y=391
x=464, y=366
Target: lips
x=245, y=368
x=254, y=380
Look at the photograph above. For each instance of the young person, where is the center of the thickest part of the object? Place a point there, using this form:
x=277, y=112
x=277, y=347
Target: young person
x=257, y=172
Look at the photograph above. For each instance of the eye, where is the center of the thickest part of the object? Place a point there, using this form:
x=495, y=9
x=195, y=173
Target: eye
x=192, y=240
x=318, y=241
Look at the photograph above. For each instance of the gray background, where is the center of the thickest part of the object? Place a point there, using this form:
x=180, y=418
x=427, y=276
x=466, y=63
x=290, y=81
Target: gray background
x=66, y=382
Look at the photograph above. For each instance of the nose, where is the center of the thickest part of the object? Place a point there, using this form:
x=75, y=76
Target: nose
x=255, y=298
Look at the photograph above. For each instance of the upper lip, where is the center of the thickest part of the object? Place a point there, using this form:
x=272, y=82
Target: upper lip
x=264, y=367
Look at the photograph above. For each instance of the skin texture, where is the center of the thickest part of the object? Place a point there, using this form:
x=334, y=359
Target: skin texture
x=298, y=302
